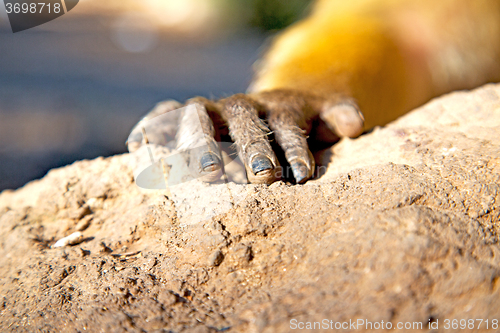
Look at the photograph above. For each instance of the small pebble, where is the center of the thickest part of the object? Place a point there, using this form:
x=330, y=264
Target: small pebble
x=95, y=203
x=74, y=238
x=84, y=223
x=105, y=248
x=216, y=258
x=80, y=212
x=84, y=252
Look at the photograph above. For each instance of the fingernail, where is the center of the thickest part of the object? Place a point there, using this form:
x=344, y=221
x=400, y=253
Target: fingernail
x=209, y=162
x=261, y=163
x=300, y=171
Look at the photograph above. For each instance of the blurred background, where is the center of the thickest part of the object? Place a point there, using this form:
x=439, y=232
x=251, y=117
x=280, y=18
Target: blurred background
x=73, y=88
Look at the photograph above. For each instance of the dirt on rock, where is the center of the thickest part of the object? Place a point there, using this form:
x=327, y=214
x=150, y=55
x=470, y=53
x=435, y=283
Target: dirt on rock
x=403, y=227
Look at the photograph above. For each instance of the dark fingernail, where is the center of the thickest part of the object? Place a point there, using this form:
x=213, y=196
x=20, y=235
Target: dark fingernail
x=300, y=171
x=261, y=163
x=209, y=162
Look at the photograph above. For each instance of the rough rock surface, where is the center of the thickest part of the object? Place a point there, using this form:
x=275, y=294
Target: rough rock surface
x=403, y=227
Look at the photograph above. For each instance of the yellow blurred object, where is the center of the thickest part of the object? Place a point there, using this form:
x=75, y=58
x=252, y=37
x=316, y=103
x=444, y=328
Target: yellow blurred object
x=389, y=55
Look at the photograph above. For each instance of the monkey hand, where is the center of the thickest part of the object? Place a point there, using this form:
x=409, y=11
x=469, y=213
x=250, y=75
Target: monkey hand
x=266, y=127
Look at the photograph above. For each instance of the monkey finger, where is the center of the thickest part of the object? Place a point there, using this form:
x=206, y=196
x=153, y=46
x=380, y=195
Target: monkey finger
x=196, y=139
x=250, y=136
x=294, y=144
x=343, y=118
x=287, y=115
x=158, y=132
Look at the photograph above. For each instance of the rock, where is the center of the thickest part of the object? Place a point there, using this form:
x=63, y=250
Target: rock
x=84, y=223
x=402, y=227
x=73, y=239
x=216, y=258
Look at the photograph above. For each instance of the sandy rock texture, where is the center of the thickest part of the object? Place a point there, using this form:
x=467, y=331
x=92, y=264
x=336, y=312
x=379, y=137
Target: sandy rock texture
x=403, y=227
